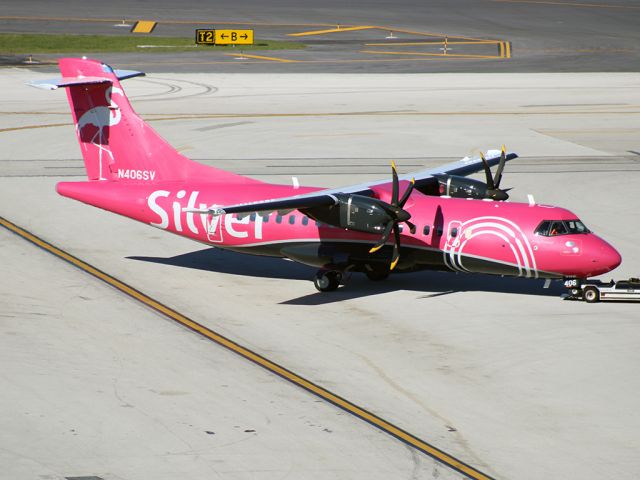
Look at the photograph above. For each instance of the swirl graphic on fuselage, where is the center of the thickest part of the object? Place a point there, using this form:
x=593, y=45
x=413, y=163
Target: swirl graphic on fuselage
x=507, y=231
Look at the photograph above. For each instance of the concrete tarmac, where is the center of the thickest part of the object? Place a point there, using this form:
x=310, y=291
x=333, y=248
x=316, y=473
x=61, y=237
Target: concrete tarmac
x=499, y=372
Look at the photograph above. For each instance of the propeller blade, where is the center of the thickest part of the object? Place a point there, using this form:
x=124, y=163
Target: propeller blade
x=487, y=172
x=412, y=227
x=407, y=192
x=383, y=240
x=396, y=248
x=503, y=159
x=394, y=191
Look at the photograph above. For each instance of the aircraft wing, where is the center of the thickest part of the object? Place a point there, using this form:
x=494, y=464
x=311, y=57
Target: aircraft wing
x=329, y=197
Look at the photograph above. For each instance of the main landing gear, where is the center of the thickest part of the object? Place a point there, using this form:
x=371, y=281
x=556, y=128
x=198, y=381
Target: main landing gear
x=327, y=280
x=377, y=274
x=330, y=280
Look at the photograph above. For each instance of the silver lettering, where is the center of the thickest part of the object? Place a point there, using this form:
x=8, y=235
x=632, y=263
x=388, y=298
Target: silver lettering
x=157, y=209
x=230, y=221
x=177, y=210
x=190, y=204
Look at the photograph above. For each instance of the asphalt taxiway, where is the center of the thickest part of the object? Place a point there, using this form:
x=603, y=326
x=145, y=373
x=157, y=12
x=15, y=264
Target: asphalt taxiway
x=498, y=373
x=404, y=37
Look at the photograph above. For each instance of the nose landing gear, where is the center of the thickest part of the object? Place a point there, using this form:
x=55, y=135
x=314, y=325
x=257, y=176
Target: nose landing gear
x=327, y=280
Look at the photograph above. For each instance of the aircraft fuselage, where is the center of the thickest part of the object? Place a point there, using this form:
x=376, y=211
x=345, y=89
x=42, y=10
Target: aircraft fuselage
x=462, y=235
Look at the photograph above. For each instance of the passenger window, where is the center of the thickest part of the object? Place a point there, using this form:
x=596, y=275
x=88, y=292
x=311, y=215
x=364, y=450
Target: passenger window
x=439, y=231
x=292, y=219
x=278, y=218
x=265, y=218
x=252, y=217
x=426, y=230
x=454, y=232
x=305, y=221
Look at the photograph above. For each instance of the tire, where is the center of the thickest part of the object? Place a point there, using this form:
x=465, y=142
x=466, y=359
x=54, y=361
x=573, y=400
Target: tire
x=327, y=281
x=591, y=295
x=377, y=275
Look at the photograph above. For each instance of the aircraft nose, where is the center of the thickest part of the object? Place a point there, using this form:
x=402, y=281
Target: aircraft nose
x=611, y=257
x=607, y=258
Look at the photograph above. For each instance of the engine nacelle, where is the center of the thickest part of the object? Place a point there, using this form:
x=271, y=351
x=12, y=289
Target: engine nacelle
x=461, y=187
x=354, y=212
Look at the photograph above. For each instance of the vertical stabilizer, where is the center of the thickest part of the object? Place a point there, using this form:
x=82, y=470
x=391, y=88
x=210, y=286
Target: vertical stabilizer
x=116, y=144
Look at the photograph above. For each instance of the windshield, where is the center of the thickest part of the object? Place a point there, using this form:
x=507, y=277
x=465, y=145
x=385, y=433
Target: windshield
x=552, y=228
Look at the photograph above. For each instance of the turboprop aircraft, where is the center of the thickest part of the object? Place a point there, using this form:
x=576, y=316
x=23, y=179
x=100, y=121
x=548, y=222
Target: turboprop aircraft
x=433, y=219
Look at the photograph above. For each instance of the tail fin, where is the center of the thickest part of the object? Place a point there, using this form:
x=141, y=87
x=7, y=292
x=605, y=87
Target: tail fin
x=116, y=144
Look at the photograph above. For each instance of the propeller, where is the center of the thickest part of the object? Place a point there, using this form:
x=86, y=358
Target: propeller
x=397, y=215
x=493, y=183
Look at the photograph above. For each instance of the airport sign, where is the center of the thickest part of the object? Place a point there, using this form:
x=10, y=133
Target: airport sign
x=205, y=36
x=210, y=36
x=234, y=37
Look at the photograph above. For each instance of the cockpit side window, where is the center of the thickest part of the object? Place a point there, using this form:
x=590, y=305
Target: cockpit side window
x=543, y=228
x=552, y=228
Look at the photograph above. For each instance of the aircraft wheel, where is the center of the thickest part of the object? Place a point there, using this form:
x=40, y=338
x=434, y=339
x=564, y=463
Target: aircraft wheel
x=591, y=295
x=327, y=281
x=377, y=275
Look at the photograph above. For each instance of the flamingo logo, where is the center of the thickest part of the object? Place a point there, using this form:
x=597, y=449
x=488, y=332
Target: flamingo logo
x=101, y=117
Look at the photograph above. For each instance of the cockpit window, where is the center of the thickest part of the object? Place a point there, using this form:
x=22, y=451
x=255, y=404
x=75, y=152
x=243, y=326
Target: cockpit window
x=576, y=226
x=552, y=228
x=557, y=228
x=543, y=228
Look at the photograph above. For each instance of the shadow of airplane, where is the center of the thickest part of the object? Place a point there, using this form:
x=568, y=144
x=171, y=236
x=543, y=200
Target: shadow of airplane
x=432, y=283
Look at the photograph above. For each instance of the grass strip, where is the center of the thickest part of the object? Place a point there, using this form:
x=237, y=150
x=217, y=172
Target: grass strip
x=28, y=43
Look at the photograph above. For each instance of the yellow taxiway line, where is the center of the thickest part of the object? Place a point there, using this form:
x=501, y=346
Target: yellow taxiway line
x=378, y=27
x=170, y=22
x=571, y=4
x=428, y=34
x=31, y=127
x=331, y=30
x=426, y=54
x=260, y=57
x=188, y=116
x=434, y=42
x=385, y=426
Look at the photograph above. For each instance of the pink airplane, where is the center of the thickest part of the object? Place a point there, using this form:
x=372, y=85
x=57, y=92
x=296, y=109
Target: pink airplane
x=434, y=219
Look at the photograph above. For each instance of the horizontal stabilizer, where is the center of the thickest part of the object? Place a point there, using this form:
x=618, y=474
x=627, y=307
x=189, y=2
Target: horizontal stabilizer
x=54, y=83
x=124, y=74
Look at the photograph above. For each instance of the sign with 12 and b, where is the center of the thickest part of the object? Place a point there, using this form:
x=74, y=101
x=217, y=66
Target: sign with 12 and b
x=224, y=37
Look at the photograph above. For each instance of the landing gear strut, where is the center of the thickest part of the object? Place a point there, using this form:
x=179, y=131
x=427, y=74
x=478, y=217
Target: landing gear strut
x=327, y=280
